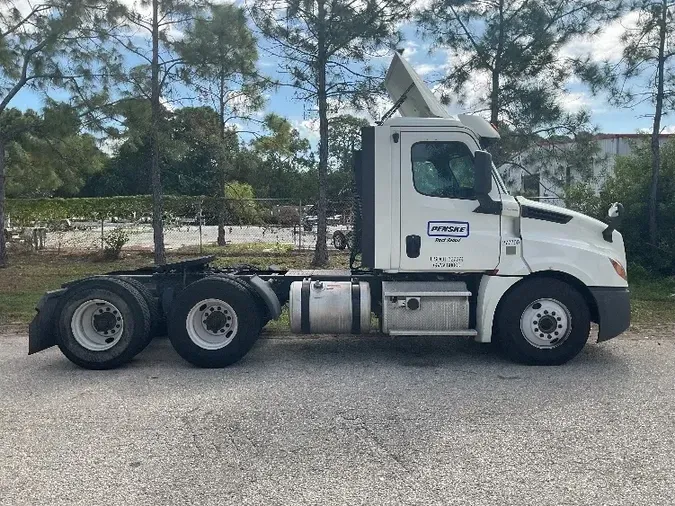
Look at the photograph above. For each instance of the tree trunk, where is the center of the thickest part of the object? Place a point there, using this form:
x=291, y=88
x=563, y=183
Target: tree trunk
x=221, y=166
x=656, y=130
x=494, y=98
x=3, y=245
x=321, y=250
x=156, y=177
x=496, y=70
x=496, y=149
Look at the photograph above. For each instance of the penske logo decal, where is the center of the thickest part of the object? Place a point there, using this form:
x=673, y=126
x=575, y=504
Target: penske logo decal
x=448, y=229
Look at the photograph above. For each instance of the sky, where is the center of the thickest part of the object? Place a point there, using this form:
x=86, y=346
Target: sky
x=431, y=64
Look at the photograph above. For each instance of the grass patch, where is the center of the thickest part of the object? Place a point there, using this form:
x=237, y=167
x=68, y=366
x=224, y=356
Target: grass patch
x=238, y=249
x=652, y=300
x=281, y=324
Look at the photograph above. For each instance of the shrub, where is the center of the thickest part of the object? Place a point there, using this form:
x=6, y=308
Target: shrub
x=630, y=185
x=114, y=241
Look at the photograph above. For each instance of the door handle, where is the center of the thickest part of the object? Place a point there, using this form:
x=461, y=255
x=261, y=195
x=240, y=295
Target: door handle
x=413, y=243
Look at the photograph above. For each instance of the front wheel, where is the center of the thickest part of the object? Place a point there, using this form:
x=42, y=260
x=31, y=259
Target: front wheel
x=214, y=322
x=542, y=321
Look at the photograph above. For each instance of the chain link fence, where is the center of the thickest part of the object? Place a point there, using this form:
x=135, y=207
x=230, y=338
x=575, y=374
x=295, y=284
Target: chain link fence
x=197, y=228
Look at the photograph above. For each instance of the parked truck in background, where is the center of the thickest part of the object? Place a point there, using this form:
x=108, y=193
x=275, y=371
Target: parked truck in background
x=444, y=251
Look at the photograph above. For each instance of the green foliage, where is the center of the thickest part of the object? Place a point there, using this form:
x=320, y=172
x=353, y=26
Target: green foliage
x=633, y=79
x=47, y=154
x=582, y=197
x=220, y=53
x=344, y=137
x=57, y=43
x=114, y=241
x=280, y=163
x=322, y=47
x=319, y=42
x=630, y=185
x=25, y=212
x=61, y=44
x=277, y=164
x=644, y=72
x=239, y=204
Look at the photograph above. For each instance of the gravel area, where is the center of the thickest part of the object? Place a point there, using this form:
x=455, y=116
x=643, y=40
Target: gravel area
x=373, y=420
x=141, y=236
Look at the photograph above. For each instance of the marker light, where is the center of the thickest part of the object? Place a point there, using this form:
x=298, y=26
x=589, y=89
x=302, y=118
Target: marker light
x=620, y=270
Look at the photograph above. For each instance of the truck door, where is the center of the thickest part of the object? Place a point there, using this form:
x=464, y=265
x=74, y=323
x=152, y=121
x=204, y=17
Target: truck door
x=439, y=229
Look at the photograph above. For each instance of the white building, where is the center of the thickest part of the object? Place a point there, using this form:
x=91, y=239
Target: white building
x=535, y=181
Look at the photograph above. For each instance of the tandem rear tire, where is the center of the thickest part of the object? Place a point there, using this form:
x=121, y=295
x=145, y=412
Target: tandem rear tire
x=543, y=321
x=157, y=319
x=102, y=323
x=214, y=322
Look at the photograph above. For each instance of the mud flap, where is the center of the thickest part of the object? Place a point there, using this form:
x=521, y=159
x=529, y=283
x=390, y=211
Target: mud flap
x=41, y=332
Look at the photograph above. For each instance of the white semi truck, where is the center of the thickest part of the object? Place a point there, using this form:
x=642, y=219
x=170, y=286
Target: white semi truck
x=444, y=251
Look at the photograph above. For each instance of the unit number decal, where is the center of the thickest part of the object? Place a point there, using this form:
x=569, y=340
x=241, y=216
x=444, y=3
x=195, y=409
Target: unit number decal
x=446, y=262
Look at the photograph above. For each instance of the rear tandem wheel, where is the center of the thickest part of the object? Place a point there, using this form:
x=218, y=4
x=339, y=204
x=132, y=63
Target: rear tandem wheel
x=102, y=323
x=214, y=322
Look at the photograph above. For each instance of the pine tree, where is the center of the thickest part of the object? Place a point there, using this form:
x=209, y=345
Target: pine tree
x=221, y=55
x=57, y=44
x=644, y=73
x=516, y=45
x=322, y=45
x=161, y=21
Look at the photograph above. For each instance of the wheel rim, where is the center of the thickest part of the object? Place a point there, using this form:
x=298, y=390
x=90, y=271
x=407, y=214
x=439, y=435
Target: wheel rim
x=97, y=325
x=546, y=323
x=212, y=324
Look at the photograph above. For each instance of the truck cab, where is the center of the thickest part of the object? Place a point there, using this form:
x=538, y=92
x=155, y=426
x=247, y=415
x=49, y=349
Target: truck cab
x=433, y=202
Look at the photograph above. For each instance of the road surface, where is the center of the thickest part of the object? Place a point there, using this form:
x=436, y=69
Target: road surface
x=341, y=421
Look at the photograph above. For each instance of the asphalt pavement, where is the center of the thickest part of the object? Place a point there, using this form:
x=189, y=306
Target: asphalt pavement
x=341, y=421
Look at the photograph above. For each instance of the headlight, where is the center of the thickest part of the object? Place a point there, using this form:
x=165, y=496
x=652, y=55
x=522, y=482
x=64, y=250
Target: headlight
x=620, y=269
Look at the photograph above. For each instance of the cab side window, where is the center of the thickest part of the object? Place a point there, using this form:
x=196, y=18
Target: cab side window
x=443, y=169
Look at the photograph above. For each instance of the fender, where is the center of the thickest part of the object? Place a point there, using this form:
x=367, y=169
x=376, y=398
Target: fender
x=490, y=292
x=264, y=290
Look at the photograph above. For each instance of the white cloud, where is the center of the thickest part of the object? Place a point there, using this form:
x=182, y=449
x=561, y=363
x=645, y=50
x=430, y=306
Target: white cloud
x=474, y=92
x=308, y=128
x=575, y=102
x=606, y=45
x=421, y=4
x=410, y=48
x=428, y=68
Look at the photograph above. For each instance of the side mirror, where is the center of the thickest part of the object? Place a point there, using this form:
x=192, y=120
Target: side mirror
x=614, y=217
x=482, y=179
x=615, y=211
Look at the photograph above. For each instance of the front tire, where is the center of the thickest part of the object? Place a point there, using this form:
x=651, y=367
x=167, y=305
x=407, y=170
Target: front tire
x=214, y=322
x=542, y=321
